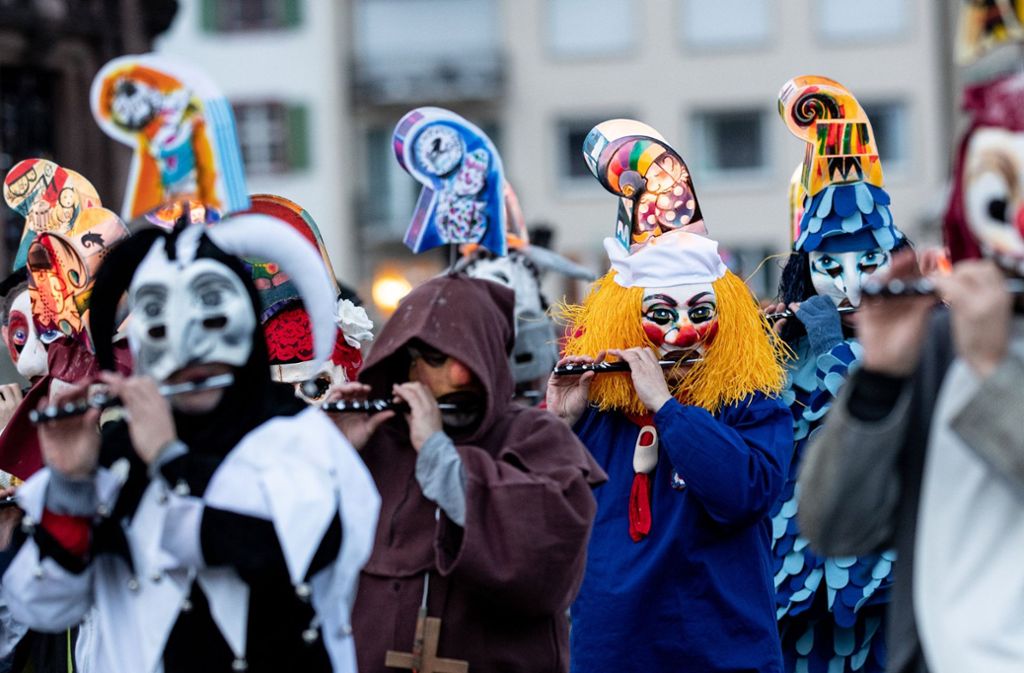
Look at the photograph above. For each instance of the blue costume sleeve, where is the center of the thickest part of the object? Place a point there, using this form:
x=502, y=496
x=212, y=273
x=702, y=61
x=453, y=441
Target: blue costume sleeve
x=736, y=462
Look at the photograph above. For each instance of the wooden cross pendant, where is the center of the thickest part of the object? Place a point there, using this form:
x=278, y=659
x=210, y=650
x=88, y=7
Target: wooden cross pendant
x=423, y=658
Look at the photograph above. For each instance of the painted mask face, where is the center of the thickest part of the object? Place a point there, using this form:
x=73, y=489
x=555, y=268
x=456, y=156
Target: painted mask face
x=994, y=194
x=681, y=319
x=841, y=275
x=187, y=314
x=28, y=352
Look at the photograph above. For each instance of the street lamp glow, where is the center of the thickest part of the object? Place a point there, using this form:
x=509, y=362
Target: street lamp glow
x=388, y=290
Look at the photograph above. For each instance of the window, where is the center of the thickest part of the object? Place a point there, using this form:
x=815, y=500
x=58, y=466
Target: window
x=730, y=141
x=863, y=20
x=591, y=27
x=889, y=123
x=273, y=137
x=571, y=167
x=726, y=23
x=243, y=15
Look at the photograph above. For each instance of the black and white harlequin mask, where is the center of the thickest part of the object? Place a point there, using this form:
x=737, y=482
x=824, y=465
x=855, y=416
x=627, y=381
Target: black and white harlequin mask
x=188, y=306
x=187, y=313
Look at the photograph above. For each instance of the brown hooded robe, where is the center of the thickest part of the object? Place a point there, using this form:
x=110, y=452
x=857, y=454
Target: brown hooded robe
x=502, y=583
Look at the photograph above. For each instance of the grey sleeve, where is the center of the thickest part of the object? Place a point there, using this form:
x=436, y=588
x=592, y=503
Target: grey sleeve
x=849, y=482
x=441, y=476
x=992, y=422
x=71, y=497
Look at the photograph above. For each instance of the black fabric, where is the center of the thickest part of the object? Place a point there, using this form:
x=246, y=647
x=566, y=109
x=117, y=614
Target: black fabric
x=277, y=616
x=250, y=546
x=45, y=652
x=276, y=622
x=50, y=548
x=112, y=281
x=873, y=394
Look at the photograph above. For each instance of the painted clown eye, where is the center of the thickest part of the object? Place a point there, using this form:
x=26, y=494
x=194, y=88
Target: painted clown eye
x=48, y=336
x=871, y=260
x=829, y=265
x=19, y=337
x=661, y=315
x=701, y=313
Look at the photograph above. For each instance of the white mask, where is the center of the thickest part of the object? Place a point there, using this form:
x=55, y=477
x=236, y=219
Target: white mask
x=28, y=352
x=184, y=314
x=841, y=275
x=994, y=194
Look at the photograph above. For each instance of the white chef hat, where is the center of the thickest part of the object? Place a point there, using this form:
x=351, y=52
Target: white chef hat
x=674, y=258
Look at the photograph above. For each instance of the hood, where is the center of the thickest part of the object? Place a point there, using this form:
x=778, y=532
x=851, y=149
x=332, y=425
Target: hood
x=466, y=318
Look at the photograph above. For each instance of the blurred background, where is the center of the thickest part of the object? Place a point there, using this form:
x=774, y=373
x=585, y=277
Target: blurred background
x=318, y=85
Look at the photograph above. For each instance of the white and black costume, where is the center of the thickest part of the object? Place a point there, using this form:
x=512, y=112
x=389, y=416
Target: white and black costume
x=240, y=547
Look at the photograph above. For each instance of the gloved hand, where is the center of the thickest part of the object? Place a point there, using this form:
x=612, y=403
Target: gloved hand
x=821, y=320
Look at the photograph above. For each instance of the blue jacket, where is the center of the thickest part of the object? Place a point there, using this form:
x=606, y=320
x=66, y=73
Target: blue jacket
x=697, y=593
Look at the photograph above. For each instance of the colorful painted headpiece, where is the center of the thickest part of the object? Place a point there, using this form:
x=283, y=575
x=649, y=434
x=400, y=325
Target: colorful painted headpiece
x=49, y=197
x=286, y=322
x=985, y=217
x=986, y=25
x=182, y=131
x=463, y=196
x=796, y=203
x=845, y=206
x=633, y=161
x=67, y=234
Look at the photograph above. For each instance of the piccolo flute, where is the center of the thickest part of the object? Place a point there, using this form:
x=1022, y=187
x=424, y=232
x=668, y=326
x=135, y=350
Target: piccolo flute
x=376, y=406
x=774, y=317
x=920, y=287
x=103, y=400
x=575, y=369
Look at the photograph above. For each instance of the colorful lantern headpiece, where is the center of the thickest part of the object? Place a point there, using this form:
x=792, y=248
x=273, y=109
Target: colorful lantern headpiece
x=633, y=161
x=286, y=322
x=181, y=128
x=463, y=197
x=845, y=206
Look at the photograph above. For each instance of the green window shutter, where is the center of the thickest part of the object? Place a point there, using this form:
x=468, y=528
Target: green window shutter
x=298, y=137
x=208, y=16
x=291, y=13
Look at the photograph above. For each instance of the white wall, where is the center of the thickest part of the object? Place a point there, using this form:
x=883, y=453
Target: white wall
x=301, y=65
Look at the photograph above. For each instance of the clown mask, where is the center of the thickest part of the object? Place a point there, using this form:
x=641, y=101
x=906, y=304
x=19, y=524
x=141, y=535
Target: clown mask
x=185, y=315
x=841, y=275
x=27, y=349
x=994, y=194
x=680, y=320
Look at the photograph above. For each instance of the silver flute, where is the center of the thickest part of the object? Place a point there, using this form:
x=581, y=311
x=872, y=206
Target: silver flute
x=103, y=400
x=576, y=369
x=376, y=406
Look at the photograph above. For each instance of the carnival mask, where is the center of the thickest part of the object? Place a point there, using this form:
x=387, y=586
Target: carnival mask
x=463, y=180
x=841, y=275
x=187, y=314
x=26, y=347
x=994, y=194
x=681, y=319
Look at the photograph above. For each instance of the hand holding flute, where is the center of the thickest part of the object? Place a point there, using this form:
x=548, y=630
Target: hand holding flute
x=357, y=427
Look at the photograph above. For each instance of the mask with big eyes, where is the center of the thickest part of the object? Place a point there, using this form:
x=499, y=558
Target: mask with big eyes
x=183, y=315
x=680, y=320
x=994, y=194
x=841, y=275
x=27, y=347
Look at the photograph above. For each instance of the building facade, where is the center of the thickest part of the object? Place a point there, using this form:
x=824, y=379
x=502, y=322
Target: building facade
x=282, y=64
x=538, y=74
